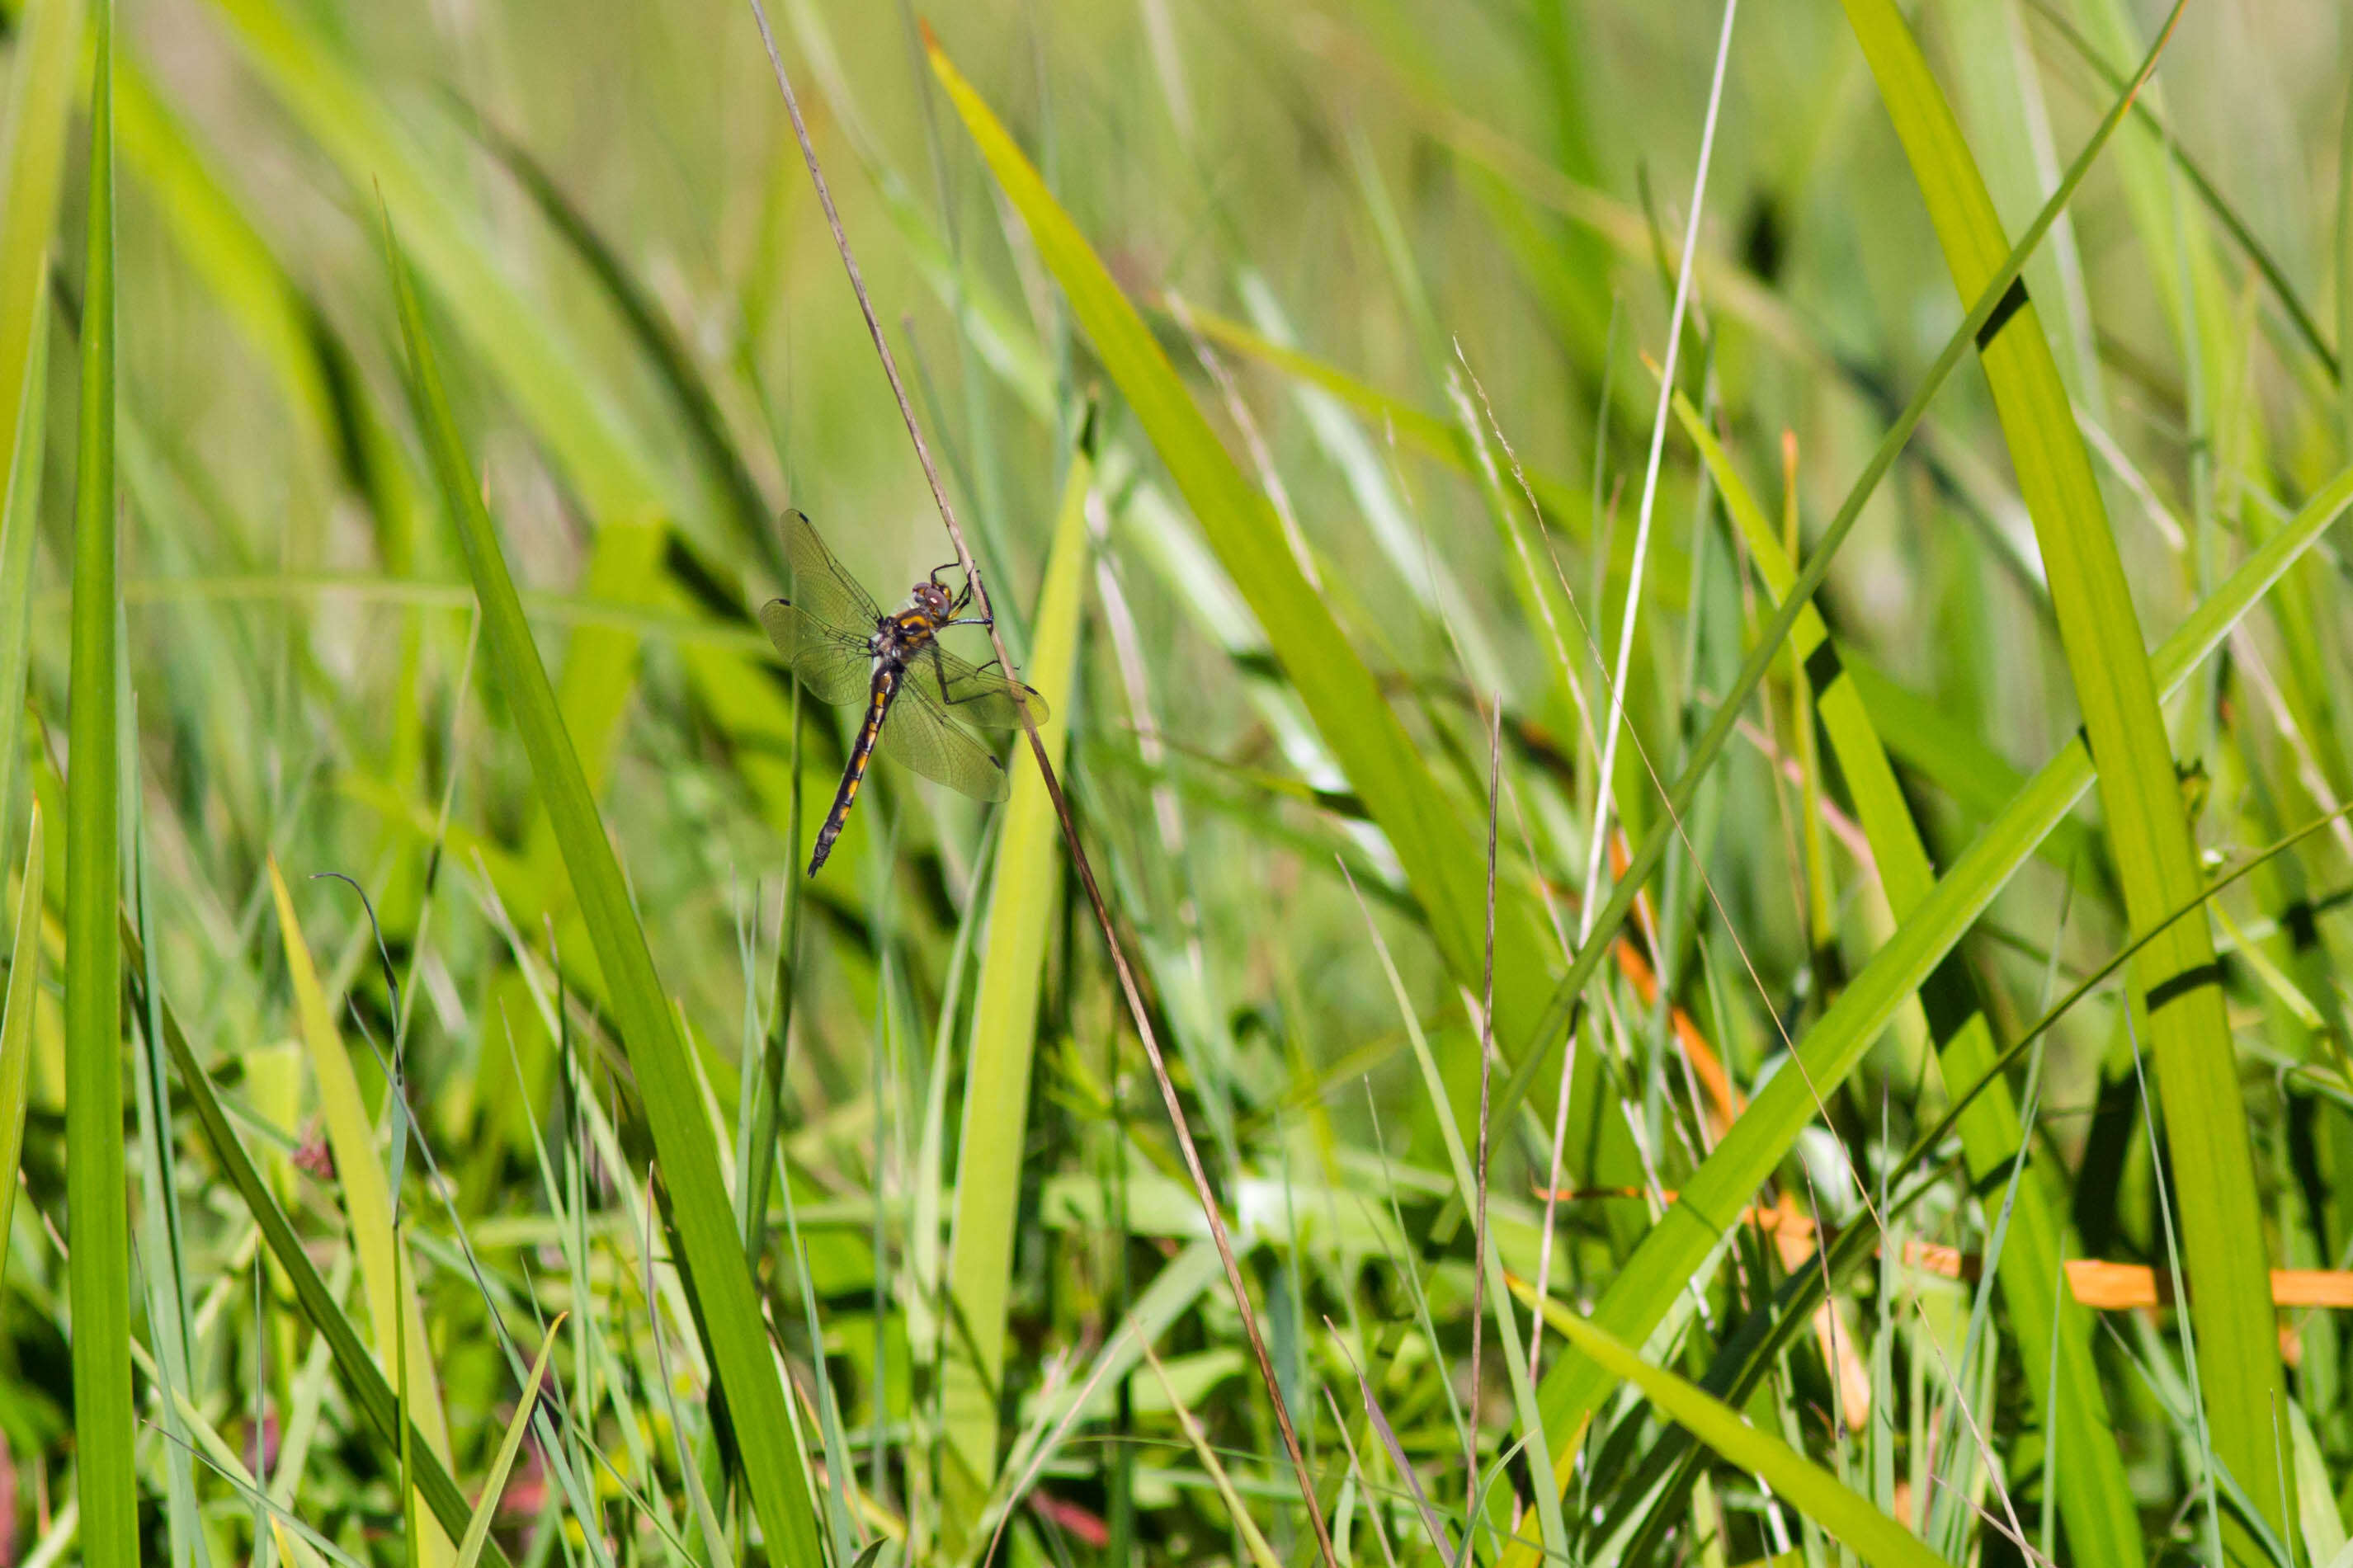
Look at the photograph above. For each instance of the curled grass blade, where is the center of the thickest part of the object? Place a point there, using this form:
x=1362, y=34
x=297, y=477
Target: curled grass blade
x=767, y=1448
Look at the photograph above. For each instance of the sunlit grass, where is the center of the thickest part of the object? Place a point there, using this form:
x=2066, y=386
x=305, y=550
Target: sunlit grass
x=399, y=401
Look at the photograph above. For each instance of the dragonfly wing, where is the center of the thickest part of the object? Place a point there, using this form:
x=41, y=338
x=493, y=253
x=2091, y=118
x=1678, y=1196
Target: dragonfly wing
x=834, y=665
x=918, y=734
x=820, y=588
x=978, y=694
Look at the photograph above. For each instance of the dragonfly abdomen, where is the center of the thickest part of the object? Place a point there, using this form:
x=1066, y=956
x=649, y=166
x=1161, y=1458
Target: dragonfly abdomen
x=886, y=686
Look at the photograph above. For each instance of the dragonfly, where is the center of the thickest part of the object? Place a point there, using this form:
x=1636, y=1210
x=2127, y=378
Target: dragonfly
x=847, y=648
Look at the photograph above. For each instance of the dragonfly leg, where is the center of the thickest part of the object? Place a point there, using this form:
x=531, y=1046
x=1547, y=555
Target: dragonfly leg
x=941, y=676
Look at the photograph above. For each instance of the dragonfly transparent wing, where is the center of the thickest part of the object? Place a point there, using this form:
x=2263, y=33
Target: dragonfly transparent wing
x=820, y=588
x=835, y=665
x=918, y=734
x=981, y=695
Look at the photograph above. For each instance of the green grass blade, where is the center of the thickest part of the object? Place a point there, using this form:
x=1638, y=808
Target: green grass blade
x=494, y=1485
x=20, y=527
x=1685, y=793
x=2177, y=980
x=1564, y=504
x=362, y=1380
x=1490, y=1263
x=98, y=1197
x=1711, y=1200
x=1980, y=780
x=32, y=165
x=1441, y=858
x=1806, y=1486
x=774, y=1466
x=2241, y=234
x=2102, y=1523
x=698, y=407
x=393, y=1313
x=617, y=477
x=17, y=1029
x=1022, y=896
x=1253, y=1539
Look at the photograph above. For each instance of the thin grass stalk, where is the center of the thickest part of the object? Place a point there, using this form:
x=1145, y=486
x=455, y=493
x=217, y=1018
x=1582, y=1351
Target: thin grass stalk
x=1135, y=1000
x=2275, y=277
x=169, y=1363
x=97, y=1193
x=1486, y=1059
x=1613, y=720
x=372, y=1200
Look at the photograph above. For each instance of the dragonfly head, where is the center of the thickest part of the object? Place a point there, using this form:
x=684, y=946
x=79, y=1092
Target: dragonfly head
x=950, y=603
x=930, y=596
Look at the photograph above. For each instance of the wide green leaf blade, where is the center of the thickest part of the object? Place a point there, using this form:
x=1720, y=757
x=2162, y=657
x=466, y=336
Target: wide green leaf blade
x=2093, y=1493
x=97, y=1192
x=1021, y=902
x=767, y=1445
x=1716, y=1196
x=1812, y=1491
x=17, y=1027
x=2176, y=997
x=1442, y=861
x=32, y=163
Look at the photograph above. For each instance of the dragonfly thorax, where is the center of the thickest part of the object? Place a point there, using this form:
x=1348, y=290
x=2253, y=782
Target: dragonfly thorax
x=898, y=636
